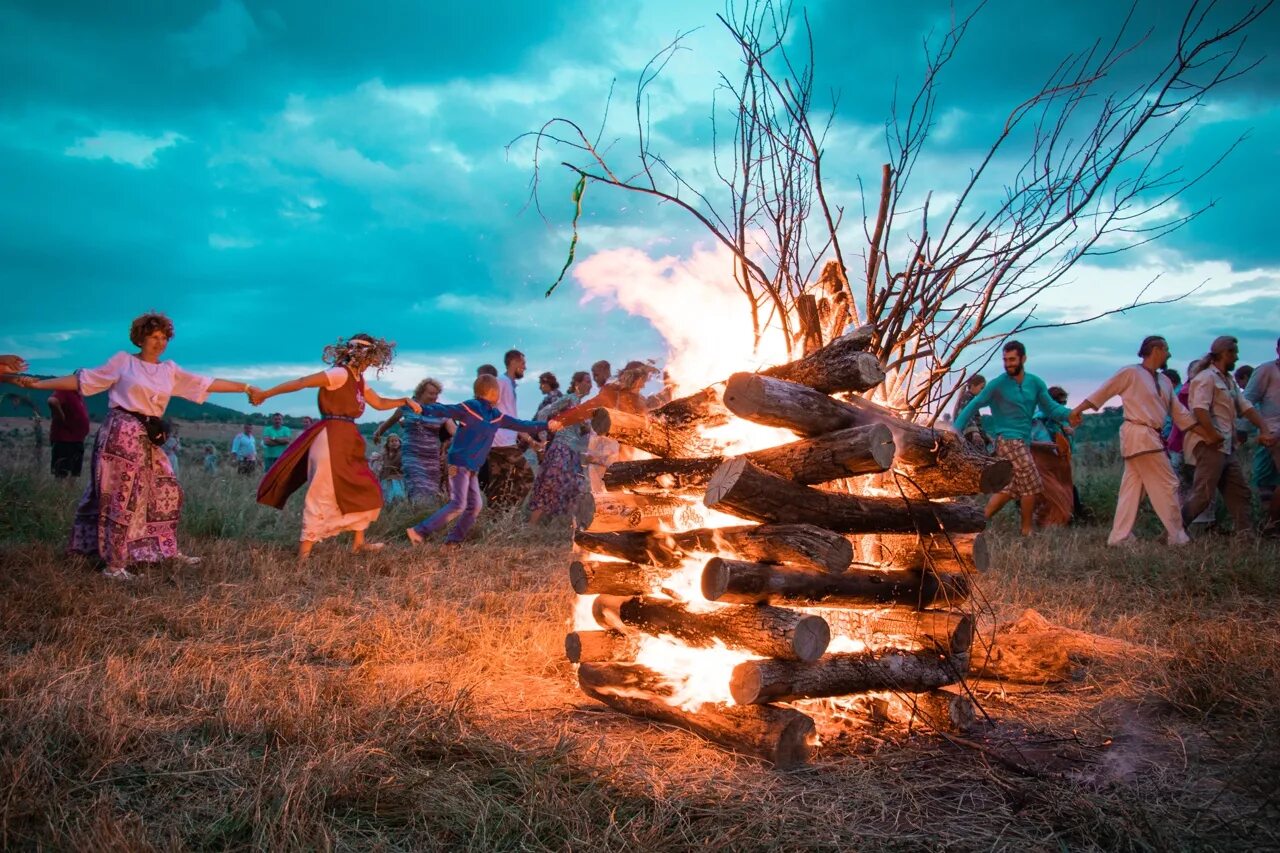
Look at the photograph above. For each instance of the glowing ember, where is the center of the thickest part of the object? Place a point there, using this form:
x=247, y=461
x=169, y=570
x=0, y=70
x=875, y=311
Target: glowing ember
x=697, y=675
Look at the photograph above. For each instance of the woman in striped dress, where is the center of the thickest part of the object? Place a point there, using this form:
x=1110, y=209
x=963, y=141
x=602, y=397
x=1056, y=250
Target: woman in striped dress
x=424, y=438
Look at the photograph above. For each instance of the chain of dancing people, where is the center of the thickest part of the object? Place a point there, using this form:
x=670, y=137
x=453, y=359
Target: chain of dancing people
x=1184, y=443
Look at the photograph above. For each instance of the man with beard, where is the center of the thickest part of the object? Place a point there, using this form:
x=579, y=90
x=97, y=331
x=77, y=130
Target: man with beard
x=510, y=477
x=1216, y=401
x=1013, y=398
x=1148, y=399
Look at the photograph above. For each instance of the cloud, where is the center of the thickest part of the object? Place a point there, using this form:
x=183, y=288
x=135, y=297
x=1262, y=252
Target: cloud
x=121, y=146
x=221, y=34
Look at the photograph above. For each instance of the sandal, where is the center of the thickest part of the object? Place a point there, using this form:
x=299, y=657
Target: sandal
x=123, y=575
x=187, y=559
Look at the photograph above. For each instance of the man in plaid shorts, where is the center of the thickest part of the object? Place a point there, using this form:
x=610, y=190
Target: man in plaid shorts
x=1013, y=398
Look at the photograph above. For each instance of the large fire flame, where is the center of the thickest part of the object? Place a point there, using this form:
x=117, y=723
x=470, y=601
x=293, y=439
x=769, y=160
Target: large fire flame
x=699, y=310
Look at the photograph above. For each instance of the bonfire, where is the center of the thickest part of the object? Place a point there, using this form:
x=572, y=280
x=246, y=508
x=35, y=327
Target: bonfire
x=788, y=547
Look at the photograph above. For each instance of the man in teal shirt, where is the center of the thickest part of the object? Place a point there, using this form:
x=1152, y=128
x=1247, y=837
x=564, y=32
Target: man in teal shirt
x=1013, y=398
x=275, y=438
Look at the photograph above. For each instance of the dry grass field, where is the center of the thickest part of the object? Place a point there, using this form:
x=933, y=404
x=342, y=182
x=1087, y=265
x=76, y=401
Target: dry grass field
x=417, y=700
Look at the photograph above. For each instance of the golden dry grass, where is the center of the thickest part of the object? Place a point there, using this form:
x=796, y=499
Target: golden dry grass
x=420, y=700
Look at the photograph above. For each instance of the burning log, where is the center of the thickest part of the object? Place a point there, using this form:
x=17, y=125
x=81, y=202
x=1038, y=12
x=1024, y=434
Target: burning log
x=945, y=631
x=758, y=681
x=844, y=453
x=599, y=577
x=782, y=736
x=842, y=365
x=606, y=513
x=941, y=463
x=962, y=553
x=650, y=435
x=796, y=544
x=661, y=476
x=788, y=405
x=743, y=489
x=696, y=411
x=763, y=630
x=737, y=582
x=656, y=549
x=596, y=646
x=833, y=456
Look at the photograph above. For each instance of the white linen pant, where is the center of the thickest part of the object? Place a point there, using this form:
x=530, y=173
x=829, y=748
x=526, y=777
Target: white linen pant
x=1150, y=473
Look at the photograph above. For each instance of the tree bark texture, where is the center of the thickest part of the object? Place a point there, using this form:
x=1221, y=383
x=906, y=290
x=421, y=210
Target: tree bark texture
x=604, y=577
x=782, y=736
x=703, y=409
x=940, y=462
x=646, y=433
x=739, y=582
x=802, y=545
x=742, y=489
x=622, y=512
x=758, y=681
x=961, y=553
x=760, y=629
x=834, y=456
x=842, y=365
x=945, y=631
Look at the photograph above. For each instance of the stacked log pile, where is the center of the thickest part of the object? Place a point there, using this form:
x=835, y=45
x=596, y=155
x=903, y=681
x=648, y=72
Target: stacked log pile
x=882, y=570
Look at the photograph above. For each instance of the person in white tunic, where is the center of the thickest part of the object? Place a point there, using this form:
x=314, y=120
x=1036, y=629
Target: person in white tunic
x=1148, y=398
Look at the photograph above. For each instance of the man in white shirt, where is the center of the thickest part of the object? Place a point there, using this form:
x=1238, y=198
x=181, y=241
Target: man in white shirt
x=245, y=450
x=1148, y=398
x=515, y=363
x=1263, y=392
x=1216, y=402
x=509, y=475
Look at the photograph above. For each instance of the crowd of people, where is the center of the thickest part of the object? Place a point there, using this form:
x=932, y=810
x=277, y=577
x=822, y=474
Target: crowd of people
x=469, y=454
x=1180, y=442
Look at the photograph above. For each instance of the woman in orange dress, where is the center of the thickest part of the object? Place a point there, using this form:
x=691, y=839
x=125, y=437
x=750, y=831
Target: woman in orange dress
x=343, y=493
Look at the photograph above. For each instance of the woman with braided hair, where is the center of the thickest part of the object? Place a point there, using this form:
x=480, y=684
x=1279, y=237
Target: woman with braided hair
x=342, y=492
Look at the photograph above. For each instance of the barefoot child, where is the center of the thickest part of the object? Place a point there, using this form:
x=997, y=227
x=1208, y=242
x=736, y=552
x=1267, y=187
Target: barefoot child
x=343, y=494
x=480, y=419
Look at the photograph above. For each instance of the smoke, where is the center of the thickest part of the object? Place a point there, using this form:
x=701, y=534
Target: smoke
x=692, y=302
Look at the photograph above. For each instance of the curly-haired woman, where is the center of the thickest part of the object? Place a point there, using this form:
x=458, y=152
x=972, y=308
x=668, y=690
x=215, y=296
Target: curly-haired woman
x=343, y=493
x=130, y=509
x=424, y=438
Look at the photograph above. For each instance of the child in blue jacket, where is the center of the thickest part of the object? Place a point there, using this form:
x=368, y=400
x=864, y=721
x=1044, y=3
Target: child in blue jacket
x=480, y=420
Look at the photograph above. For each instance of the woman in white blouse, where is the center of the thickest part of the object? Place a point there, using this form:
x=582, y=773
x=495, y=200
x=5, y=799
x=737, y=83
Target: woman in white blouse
x=130, y=509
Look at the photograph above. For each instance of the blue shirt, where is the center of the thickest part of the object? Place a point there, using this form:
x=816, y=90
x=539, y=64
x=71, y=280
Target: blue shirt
x=1013, y=406
x=479, y=420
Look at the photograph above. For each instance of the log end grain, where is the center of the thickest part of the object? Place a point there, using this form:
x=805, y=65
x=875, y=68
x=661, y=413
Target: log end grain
x=995, y=476
x=882, y=446
x=810, y=638
x=573, y=647
x=578, y=577
x=723, y=480
x=746, y=684
x=742, y=394
x=715, y=579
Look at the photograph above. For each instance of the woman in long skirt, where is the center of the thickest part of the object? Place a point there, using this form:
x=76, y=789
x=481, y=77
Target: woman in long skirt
x=424, y=440
x=342, y=492
x=130, y=509
x=560, y=476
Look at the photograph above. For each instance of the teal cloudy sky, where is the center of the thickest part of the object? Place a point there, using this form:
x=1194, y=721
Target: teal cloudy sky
x=274, y=174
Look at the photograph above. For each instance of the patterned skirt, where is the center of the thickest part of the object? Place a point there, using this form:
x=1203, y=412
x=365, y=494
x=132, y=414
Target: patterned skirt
x=559, y=480
x=129, y=511
x=421, y=459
